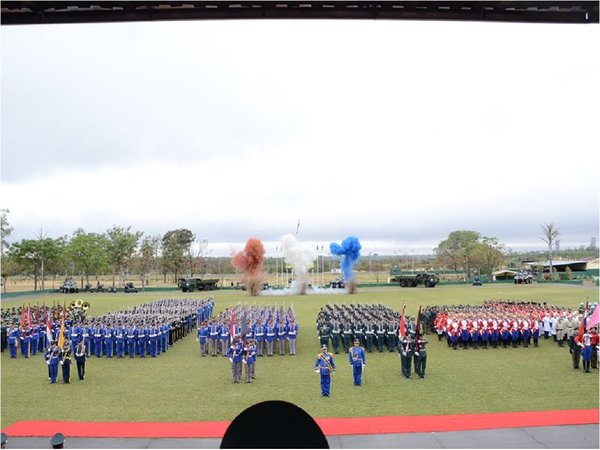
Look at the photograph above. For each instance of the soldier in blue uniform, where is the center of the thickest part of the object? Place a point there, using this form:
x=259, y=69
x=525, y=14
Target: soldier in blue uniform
x=65, y=362
x=224, y=336
x=250, y=360
x=236, y=355
x=153, y=340
x=358, y=360
x=270, y=337
x=292, y=336
x=25, y=341
x=108, y=340
x=13, y=339
x=281, y=330
x=259, y=333
x=202, y=338
x=98, y=334
x=214, y=337
x=141, y=343
x=35, y=336
x=52, y=358
x=325, y=366
x=131, y=340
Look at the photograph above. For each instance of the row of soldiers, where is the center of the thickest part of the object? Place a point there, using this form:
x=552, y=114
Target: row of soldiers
x=272, y=329
x=376, y=326
x=500, y=323
x=147, y=329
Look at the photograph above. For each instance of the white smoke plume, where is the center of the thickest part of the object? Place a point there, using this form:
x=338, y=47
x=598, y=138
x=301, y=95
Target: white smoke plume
x=300, y=257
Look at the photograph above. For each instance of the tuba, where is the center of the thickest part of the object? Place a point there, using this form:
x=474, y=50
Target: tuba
x=78, y=303
x=72, y=304
x=85, y=306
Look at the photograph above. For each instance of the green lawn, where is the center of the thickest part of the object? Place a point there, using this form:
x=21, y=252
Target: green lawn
x=181, y=386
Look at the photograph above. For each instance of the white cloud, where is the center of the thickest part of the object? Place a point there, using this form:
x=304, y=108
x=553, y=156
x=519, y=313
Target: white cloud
x=397, y=132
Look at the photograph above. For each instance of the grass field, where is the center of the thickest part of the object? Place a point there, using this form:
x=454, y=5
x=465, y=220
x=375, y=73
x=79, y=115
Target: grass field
x=181, y=386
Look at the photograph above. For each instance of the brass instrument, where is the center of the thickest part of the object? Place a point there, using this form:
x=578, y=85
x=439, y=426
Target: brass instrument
x=78, y=303
x=85, y=306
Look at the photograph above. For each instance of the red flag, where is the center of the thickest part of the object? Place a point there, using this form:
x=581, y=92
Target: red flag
x=231, y=327
x=29, y=315
x=418, y=330
x=23, y=316
x=581, y=329
x=402, y=322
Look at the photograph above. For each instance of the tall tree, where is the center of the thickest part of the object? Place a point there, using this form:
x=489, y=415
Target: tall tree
x=549, y=235
x=30, y=254
x=121, y=247
x=458, y=249
x=5, y=230
x=146, y=257
x=89, y=253
x=176, y=246
x=489, y=255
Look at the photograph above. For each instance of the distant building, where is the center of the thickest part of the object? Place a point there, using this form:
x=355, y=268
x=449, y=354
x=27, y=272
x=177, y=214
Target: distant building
x=559, y=266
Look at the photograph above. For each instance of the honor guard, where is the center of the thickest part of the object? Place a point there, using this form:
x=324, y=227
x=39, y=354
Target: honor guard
x=80, y=357
x=358, y=360
x=420, y=356
x=236, y=356
x=405, y=349
x=325, y=366
x=250, y=360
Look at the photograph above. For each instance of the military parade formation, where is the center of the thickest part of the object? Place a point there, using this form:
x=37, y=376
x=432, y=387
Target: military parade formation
x=244, y=333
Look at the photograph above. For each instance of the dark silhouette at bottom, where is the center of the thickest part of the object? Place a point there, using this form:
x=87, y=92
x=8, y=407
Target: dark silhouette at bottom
x=289, y=427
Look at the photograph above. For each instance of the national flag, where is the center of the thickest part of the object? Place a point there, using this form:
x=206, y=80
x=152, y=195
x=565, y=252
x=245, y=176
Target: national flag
x=29, y=315
x=244, y=324
x=49, y=335
x=61, y=333
x=231, y=327
x=595, y=317
x=403, y=322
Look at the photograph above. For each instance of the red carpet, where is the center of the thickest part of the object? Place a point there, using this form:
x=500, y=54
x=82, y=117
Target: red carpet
x=330, y=426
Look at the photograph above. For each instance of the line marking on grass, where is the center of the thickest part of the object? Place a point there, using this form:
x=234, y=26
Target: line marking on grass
x=330, y=426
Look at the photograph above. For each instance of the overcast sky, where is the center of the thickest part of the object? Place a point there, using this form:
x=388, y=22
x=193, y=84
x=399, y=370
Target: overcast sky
x=397, y=132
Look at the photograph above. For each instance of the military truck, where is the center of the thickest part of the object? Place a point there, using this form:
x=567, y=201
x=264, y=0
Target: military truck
x=413, y=280
x=197, y=284
x=68, y=287
x=524, y=277
x=338, y=283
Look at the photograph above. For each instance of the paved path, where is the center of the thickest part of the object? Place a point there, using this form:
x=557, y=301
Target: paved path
x=567, y=436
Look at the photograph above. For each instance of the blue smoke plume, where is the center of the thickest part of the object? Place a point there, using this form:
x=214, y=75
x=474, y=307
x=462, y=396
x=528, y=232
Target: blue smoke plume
x=350, y=250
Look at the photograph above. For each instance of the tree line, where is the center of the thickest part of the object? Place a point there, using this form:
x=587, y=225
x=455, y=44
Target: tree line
x=120, y=251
